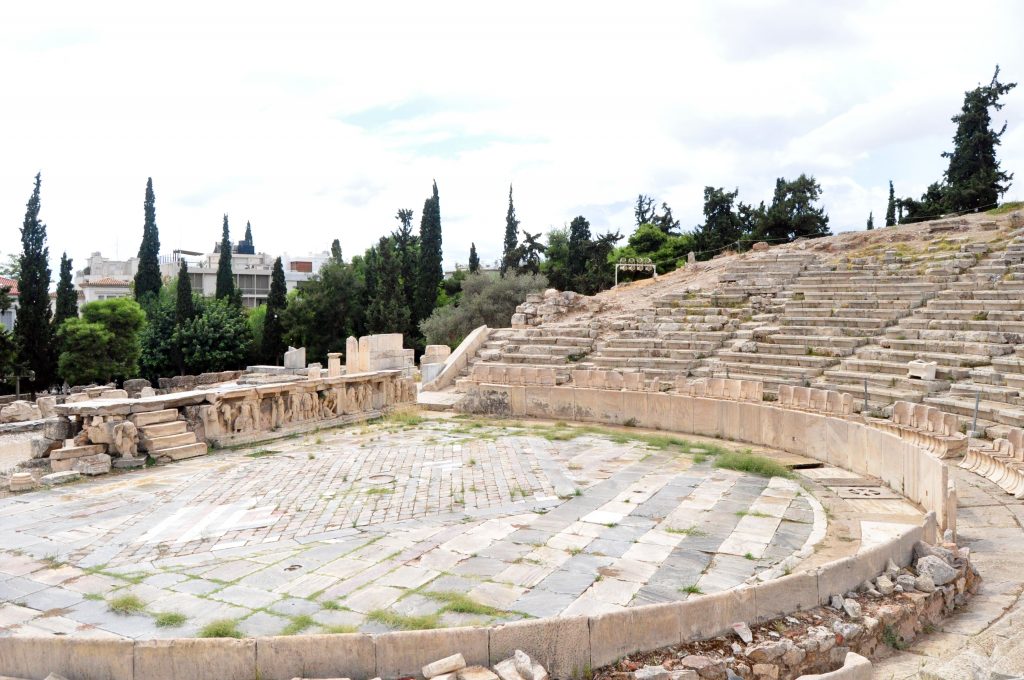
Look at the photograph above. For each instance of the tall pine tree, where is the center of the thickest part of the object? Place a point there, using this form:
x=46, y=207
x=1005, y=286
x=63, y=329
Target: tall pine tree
x=274, y=345
x=147, y=279
x=429, y=271
x=388, y=312
x=225, y=277
x=510, y=252
x=66, y=304
x=871, y=221
x=890, y=208
x=579, y=242
x=474, y=259
x=33, y=330
x=974, y=179
x=185, y=306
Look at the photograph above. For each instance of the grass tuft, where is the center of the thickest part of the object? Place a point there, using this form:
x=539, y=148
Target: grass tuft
x=126, y=605
x=754, y=464
x=222, y=628
x=692, y=589
x=462, y=604
x=298, y=624
x=403, y=622
x=170, y=619
x=262, y=453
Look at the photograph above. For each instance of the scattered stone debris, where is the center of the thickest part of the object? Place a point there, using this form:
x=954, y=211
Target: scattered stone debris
x=886, y=612
x=519, y=666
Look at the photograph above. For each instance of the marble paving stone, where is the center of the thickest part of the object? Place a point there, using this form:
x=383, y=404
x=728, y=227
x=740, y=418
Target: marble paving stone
x=294, y=606
x=367, y=599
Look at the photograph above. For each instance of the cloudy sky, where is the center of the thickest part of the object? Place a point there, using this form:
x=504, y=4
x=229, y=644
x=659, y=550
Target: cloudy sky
x=317, y=121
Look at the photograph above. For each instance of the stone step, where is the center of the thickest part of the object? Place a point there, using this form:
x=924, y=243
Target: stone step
x=537, y=359
x=548, y=341
x=158, y=444
x=164, y=429
x=992, y=326
x=876, y=395
x=834, y=321
x=862, y=334
x=983, y=349
x=652, y=353
x=658, y=343
x=182, y=452
x=886, y=380
x=154, y=417
x=943, y=359
x=644, y=363
x=1007, y=395
x=548, y=350
x=824, y=349
x=805, y=360
x=70, y=452
x=993, y=411
x=794, y=372
x=831, y=341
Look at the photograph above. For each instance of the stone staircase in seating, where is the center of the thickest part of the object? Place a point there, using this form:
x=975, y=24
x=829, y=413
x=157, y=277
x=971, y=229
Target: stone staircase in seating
x=556, y=346
x=878, y=303
x=984, y=316
x=165, y=437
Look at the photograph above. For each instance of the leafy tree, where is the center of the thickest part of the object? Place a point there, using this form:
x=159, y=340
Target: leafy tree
x=161, y=354
x=486, y=299
x=273, y=345
x=890, y=208
x=103, y=344
x=556, y=266
x=474, y=259
x=11, y=267
x=510, y=250
x=216, y=339
x=148, y=279
x=33, y=330
x=722, y=226
x=871, y=221
x=336, y=251
x=185, y=306
x=792, y=214
x=974, y=178
x=665, y=221
x=429, y=271
x=66, y=304
x=322, y=314
x=407, y=247
x=388, y=312
x=579, y=241
x=599, y=274
x=256, y=319
x=8, y=348
x=225, y=277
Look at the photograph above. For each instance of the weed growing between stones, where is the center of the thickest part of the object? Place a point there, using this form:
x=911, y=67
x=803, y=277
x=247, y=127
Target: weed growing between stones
x=403, y=622
x=169, y=619
x=754, y=464
x=222, y=628
x=691, y=531
x=692, y=589
x=262, y=453
x=126, y=605
x=298, y=624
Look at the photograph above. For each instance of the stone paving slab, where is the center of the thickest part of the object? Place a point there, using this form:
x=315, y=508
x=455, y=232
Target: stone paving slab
x=386, y=525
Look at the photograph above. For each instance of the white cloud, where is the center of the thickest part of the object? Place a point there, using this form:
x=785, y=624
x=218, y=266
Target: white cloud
x=319, y=122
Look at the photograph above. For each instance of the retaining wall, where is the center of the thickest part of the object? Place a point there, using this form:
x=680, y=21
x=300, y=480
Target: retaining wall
x=567, y=646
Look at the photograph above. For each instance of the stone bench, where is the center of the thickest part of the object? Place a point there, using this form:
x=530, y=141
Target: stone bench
x=928, y=427
x=722, y=388
x=813, y=399
x=1001, y=462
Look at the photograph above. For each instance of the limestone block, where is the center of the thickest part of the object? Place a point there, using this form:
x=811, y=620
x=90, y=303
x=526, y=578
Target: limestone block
x=919, y=419
x=711, y=615
x=73, y=657
x=786, y=396
x=732, y=389
x=479, y=372
x=47, y=406
x=405, y=653
x=902, y=412
x=649, y=627
x=833, y=402
x=817, y=400
x=315, y=656
x=334, y=364
x=801, y=397
x=560, y=645
x=751, y=390
x=716, y=388
x=351, y=355
x=699, y=388
x=295, y=358
x=449, y=664
x=598, y=380
x=613, y=380
x=22, y=481
x=580, y=377
x=195, y=658
x=786, y=594
x=19, y=411
x=922, y=370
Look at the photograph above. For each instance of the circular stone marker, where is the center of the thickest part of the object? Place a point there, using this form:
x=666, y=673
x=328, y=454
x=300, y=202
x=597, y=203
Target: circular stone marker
x=380, y=479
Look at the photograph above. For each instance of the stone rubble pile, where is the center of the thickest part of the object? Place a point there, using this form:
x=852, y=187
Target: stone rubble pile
x=519, y=666
x=886, y=611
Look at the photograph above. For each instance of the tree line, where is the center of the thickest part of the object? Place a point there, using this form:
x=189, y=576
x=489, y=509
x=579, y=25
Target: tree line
x=398, y=285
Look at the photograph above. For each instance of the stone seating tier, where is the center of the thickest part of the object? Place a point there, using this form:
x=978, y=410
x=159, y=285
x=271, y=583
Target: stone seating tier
x=1002, y=462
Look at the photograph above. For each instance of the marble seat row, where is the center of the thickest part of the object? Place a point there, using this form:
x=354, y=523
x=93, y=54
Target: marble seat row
x=632, y=381
x=812, y=399
x=927, y=427
x=722, y=388
x=1002, y=462
x=512, y=375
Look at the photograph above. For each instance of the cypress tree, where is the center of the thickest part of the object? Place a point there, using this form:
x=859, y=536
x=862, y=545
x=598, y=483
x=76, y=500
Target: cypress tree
x=579, y=242
x=474, y=260
x=336, y=251
x=66, y=304
x=147, y=279
x=974, y=179
x=388, y=312
x=33, y=330
x=429, y=271
x=273, y=330
x=248, y=233
x=871, y=221
x=406, y=250
x=890, y=208
x=185, y=307
x=225, y=277
x=510, y=252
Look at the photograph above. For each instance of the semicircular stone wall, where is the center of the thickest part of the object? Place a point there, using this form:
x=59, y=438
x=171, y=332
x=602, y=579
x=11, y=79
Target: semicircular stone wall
x=567, y=646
